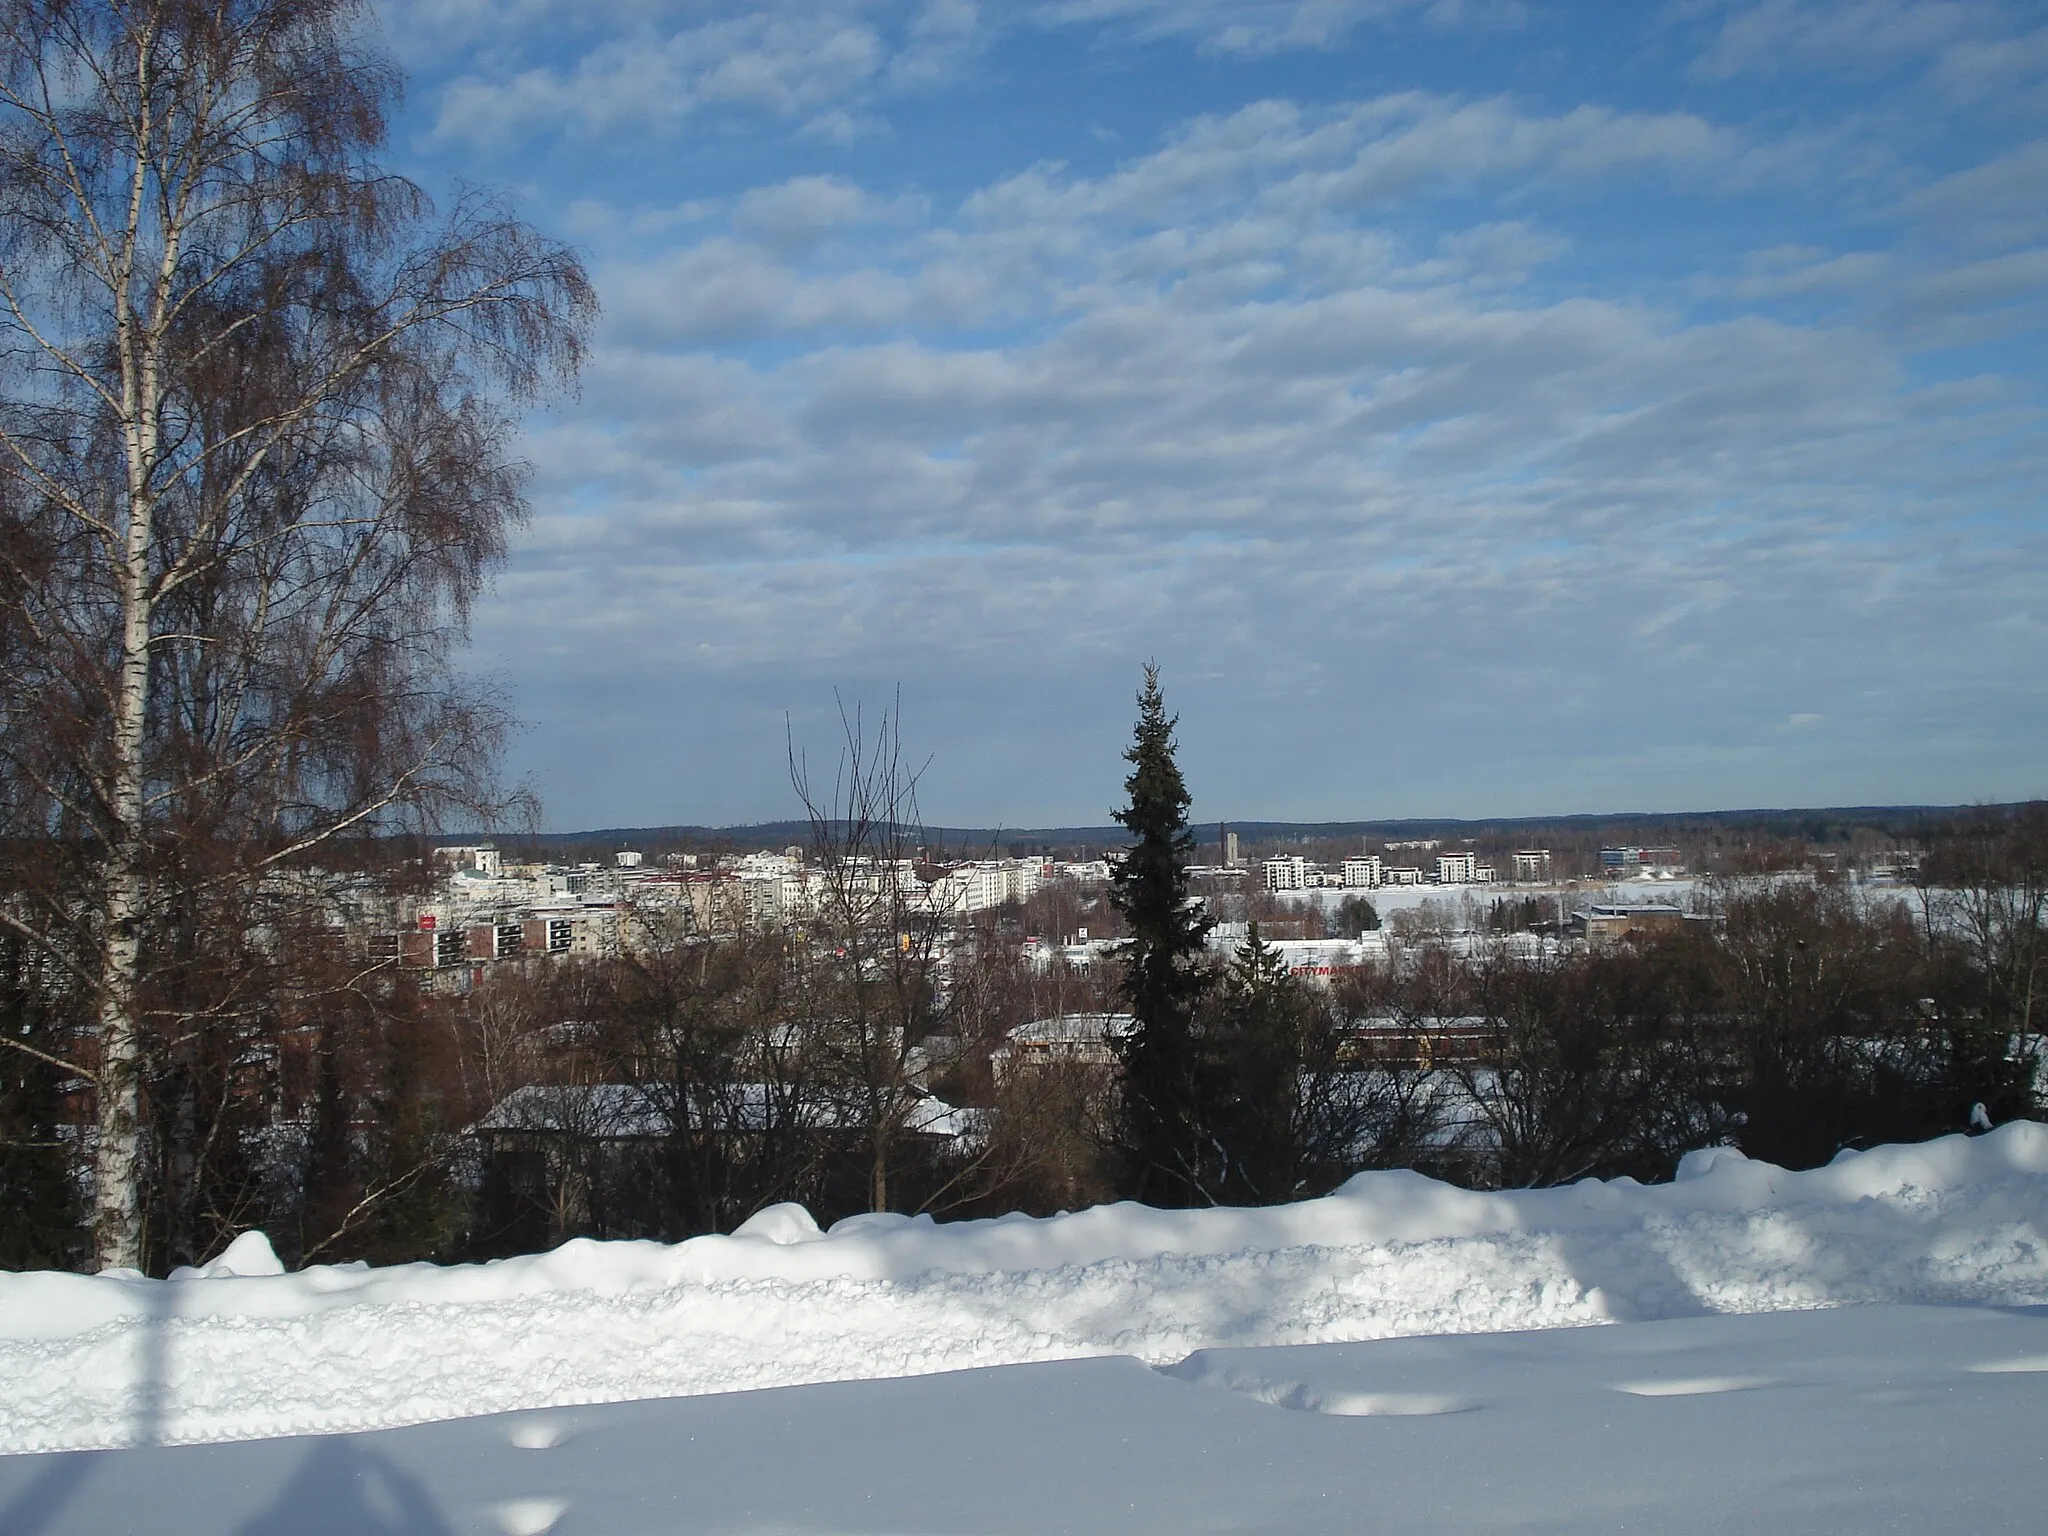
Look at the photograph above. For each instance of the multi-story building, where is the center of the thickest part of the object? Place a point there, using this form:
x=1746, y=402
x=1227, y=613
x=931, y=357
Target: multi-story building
x=1363, y=871
x=1628, y=861
x=1532, y=864
x=1457, y=868
x=1288, y=872
x=986, y=883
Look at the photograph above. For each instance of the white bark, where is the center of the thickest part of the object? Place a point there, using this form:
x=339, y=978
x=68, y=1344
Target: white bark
x=118, y=1152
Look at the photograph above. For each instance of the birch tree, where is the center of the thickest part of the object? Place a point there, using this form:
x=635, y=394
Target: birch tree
x=255, y=460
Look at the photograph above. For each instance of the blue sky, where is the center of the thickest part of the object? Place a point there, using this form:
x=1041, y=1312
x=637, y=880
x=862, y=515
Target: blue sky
x=1476, y=408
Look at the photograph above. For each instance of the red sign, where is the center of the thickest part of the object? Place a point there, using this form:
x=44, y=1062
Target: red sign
x=426, y=922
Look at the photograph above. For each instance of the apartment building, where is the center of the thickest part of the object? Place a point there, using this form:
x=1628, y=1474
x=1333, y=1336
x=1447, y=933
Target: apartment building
x=1288, y=872
x=1362, y=871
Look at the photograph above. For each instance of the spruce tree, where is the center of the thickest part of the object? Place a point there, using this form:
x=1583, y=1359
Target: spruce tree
x=1162, y=1080
x=1253, y=1044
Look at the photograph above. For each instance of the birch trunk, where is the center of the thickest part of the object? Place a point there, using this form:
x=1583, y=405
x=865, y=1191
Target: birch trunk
x=117, y=1161
x=118, y=1153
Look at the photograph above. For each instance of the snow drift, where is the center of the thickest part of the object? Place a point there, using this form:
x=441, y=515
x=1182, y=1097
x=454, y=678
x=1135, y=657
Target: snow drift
x=237, y=1350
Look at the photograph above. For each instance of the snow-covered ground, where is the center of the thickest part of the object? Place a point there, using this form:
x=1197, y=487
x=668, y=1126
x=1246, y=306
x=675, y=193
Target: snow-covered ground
x=104, y=1361
x=1834, y=1423
x=1120, y=1369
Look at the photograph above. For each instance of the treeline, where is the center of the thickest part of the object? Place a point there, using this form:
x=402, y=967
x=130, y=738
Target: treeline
x=1795, y=1020
x=1792, y=1016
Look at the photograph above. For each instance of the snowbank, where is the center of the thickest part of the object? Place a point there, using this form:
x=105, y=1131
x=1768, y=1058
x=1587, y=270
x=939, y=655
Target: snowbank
x=233, y=1352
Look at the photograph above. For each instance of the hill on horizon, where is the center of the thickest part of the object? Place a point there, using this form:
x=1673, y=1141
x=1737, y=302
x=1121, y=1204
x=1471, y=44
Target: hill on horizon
x=1821, y=823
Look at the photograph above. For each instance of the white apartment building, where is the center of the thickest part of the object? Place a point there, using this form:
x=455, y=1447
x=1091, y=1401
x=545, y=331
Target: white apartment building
x=1532, y=864
x=1289, y=872
x=986, y=883
x=1363, y=871
x=1457, y=869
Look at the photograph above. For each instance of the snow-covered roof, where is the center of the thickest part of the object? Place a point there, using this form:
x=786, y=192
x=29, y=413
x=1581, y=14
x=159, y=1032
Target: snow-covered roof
x=591, y=1109
x=1073, y=1029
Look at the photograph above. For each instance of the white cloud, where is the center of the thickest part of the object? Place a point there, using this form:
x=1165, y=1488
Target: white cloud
x=1232, y=211
x=782, y=63
x=2008, y=69
x=1808, y=272
x=1974, y=51
x=1199, y=369
x=942, y=43
x=1345, y=412
x=1774, y=36
x=1413, y=144
x=796, y=214
x=1996, y=204
x=1261, y=27
x=1996, y=299
x=531, y=67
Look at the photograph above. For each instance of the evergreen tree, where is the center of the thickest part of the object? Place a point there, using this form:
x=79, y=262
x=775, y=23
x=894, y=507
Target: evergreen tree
x=1161, y=1141
x=1254, y=1047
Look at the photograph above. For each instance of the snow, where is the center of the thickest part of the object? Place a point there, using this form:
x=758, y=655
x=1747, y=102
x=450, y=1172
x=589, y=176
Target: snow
x=238, y=1351
x=1825, y=1423
x=1342, y=1364
x=248, y=1254
x=1632, y=891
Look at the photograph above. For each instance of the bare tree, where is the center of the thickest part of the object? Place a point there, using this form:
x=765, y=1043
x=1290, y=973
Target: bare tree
x=1984, y=898
x=254, y=463
x=1042, y=1142
x=1577, y=1076
x=871, y=943
x=733, y=1080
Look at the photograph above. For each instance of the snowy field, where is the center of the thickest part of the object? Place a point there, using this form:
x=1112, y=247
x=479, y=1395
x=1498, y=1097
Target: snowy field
x=1164, y=1396
x=1841, y=1423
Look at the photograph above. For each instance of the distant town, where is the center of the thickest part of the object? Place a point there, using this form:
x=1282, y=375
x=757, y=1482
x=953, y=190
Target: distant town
x=483, y=906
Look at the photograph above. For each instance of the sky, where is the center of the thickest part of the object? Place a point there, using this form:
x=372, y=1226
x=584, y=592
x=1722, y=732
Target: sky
x=1475, y=409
